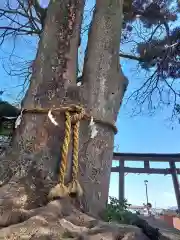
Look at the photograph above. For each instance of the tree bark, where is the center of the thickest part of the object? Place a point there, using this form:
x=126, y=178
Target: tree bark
x=37, y=143
x=55, y=71
x=104, y=84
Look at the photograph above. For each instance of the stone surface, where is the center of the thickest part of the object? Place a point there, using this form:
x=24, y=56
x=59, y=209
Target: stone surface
x=104, y=231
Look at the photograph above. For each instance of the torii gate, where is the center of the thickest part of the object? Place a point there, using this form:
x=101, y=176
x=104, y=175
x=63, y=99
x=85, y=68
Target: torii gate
x=147, y=158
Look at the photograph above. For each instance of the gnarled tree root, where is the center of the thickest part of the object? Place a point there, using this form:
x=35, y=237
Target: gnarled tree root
x=26, y=214
x=19, y=196
x=61, y=220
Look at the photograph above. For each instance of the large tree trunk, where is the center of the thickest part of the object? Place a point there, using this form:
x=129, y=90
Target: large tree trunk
x=104, y=86
x=37, y=143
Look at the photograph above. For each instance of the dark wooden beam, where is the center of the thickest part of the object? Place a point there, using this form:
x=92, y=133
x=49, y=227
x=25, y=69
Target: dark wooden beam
x=147, y=157
x=175, y=183
x=146, y=165
x=143, y=170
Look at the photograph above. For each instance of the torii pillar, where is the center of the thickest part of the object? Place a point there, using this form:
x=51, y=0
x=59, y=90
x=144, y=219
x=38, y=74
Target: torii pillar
x=121, y=180
x=175, y=183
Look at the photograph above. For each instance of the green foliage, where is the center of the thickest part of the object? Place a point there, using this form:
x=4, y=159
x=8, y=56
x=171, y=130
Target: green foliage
x=117, y=211
x=8, y=115
x=8, y=110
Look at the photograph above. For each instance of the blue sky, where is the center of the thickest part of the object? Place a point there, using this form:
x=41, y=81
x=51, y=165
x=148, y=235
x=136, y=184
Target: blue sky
x=142, y=133
x=145, y=134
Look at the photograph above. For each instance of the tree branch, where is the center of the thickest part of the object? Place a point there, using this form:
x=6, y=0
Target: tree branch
x=128, y=56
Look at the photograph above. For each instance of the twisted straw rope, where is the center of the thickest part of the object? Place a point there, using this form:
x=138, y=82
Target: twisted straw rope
x=70, y=108
x=65, y=148
x=75, y=150
x=60, y=190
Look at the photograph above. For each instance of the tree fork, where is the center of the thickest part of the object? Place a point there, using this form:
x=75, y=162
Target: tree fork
x=37, y=141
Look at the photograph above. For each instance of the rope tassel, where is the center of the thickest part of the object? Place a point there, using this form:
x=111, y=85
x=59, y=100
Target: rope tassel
x=74, y=187
x=60, y=190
